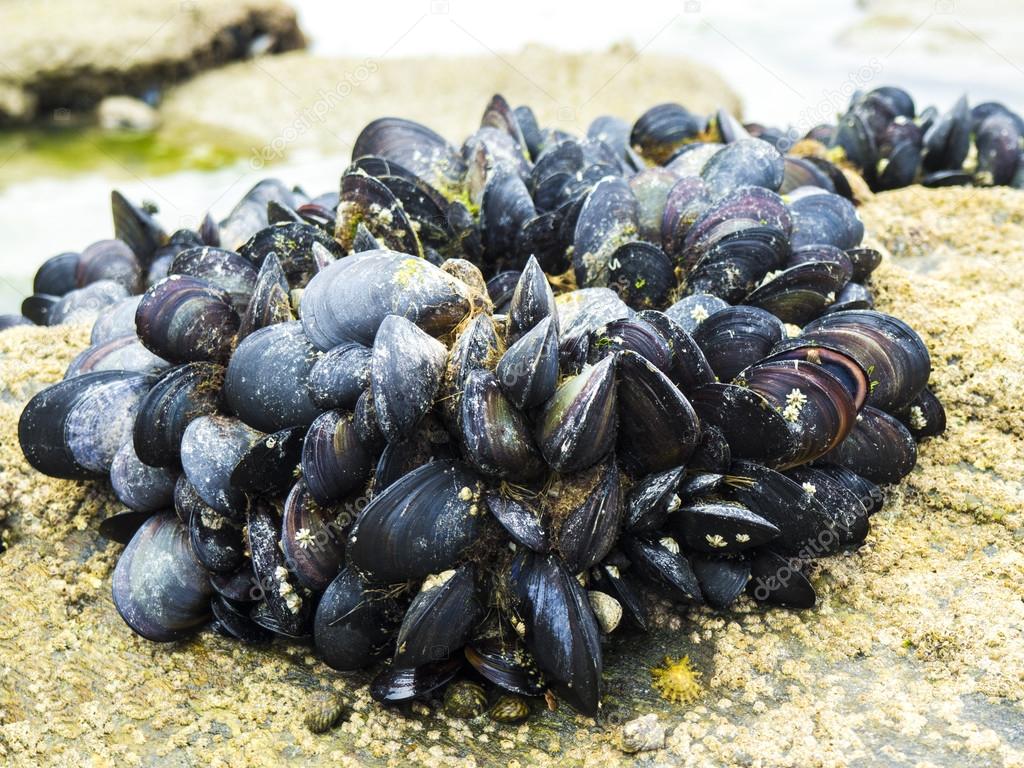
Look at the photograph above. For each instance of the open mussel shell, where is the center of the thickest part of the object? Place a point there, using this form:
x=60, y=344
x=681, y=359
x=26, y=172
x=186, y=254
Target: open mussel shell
x=419, y=525
x=223, y=269
x=658, y=427
x=354, y=622
x=507, y=664
x=590, y=510
x=578, y=425
x=184, y=319
x=339, y=376
x=74, y=428
x=179, y=396
x=439, y=619
x=211, y=447
x=394, y=685
x=800, y=517
x=778, y=580
x=651, y=500
x=270, y=464
x=159, y=588
x=495, y=436
x=266, y=380
x=406, y=366
x=623, y=588
x=662, y=566
x=349, y=299
x=335, y=463
x=889, y=350
x=561, y=630
x=736, y=337
x=312, y=539
x=521, y=520
x=528, y=371
x=721, y=528
x=722, y=580
x=139, y=486
x=878, y=448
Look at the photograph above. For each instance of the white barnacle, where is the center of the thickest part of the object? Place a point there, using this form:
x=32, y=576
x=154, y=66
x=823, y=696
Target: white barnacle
x=304, y=538
x=715, y=540
x=613, y=571
x=674, y=503
x=436, y=580
x=917, y=418
x=465, y=493
x=742, y=538
x=809, y=489
x=670, y=544
x=281, y=573
x=795, y=402
x=294, y=602
x=699, y=314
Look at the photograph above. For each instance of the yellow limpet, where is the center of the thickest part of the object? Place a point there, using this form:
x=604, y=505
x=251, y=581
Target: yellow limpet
x=677, y=681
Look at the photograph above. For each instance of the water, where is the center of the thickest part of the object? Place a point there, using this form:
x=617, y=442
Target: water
x=787, y=65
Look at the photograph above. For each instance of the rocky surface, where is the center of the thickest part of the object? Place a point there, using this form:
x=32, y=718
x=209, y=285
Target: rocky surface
x=914, y=655
x=69, y=54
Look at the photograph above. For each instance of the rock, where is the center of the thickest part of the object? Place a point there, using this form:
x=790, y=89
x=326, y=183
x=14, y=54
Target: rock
x=70, y=54
x=123, y=113
x=642, y=735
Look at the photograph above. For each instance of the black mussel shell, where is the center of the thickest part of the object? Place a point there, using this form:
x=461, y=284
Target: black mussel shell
x=688, y=368
x=217, y=540
x=109, y=260
x=419, y=525
x=223, y=269
x=948, y=140
x=288, y=604
x=400, y=457
x=712, y=453
x=778, y=580
x=750, y=425
x=822, y=217
x=662, y=129
x=211, y=447
x=123, y=353
x=589, y=510
x=56, y=275
x=73, y=429
x=736, y=337
x=878, y=448
x=608, y=578
x=561, y=631
x=690, y=311
x=801, y=292
x=312, y=539
x=139, y=486
x=745, y=162
x=843, y=367
x=184, y=319
x=339, y=376
x=531, y=302
x=495, y=436
x=115, y=321
x=528, y=371
x=266, y=380
x=405, y=374
x=335, y=463
x=393, y=685
x=722, y=528
x=476, y=348
x=179, y=396
x=925, y=416
x=580, y=313
x=642, y=275
x=658, y=428
x=578, y=425
x=634, y=334
x=159, y=588
x=721, y=580
x=354, y=623
x=607, y=219
x=651, y=500
x=236, y=622
x=121, y=526
x=77, y=306
x=439, y=619
x=521, y=520
x=295, y=247
x=735, y=264
x=413, y=146
x=136, y=227
x=663, y=567
x=270, y=302
x=869, y=494
x=505, y=208
x=507, y=664
x=365, y=200
x=848, y=511
x=271, y=463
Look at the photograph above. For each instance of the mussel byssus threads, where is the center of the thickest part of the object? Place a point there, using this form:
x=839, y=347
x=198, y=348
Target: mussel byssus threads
x=462, y=418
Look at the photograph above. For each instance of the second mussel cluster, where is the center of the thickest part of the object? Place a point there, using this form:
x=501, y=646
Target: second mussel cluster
x=468, y=414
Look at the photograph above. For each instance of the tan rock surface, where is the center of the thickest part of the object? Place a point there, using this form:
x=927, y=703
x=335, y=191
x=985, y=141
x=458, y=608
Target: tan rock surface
x=70, y=53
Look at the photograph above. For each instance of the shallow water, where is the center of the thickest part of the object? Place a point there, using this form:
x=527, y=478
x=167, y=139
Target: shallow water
x=786, y=64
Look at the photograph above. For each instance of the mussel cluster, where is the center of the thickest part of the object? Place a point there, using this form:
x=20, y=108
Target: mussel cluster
x=892, y=146
x=475, y=410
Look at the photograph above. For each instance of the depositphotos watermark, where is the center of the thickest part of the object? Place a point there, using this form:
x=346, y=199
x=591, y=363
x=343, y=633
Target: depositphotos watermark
x=314, y=114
